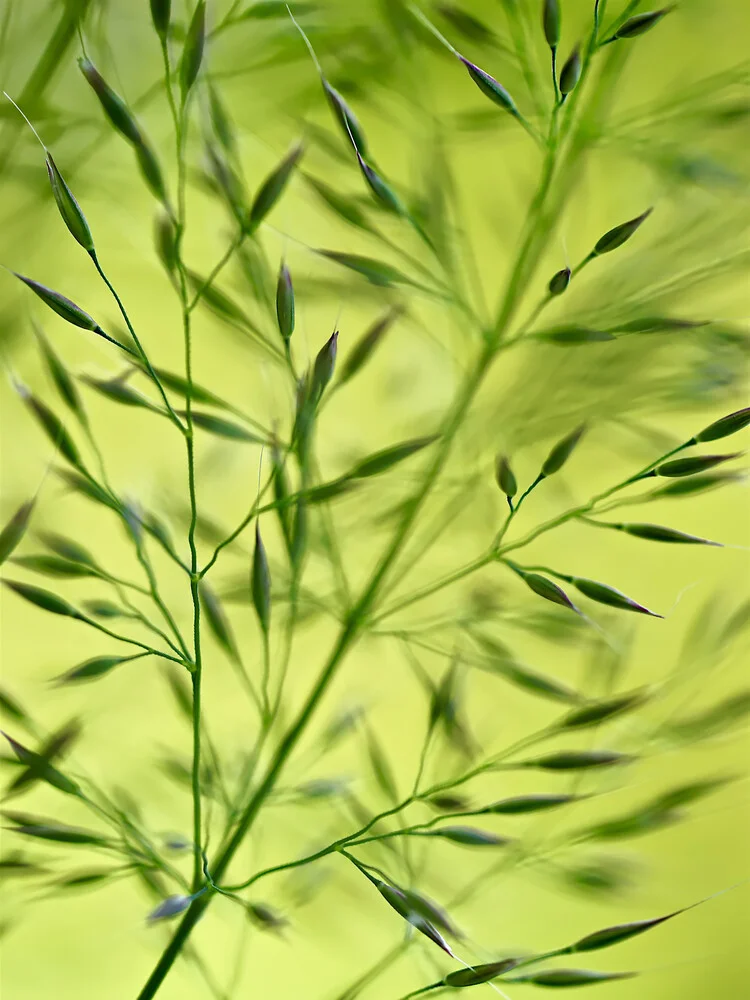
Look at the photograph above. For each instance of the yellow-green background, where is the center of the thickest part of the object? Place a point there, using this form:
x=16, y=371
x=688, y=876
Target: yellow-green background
x=95, y=944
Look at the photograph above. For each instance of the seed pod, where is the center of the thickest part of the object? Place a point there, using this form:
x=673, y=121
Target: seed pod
x=615, y=238
x=112, y=104
x=377, y=272
x=598, y=712
x=261, y=583
x=170, y=907
x=559, y=281
x=266, y=918
x=346, y=208
x=551, y=22
x=696, y=484
x=381, y=768
x=479, y=974
x=605, y=594
x=571, y=977
x=381, y=190
x=272, y=188
x=151, y=171
x=39, y=768
x=656, y=533
x=160, y=12
x=384, y=460
x=220, y=120
x=346, y=118
x=53, y=428
x=222, y=428
x=54, y=566
x=69, y=208
x=43, y=599
x=504, y=476
x=61, y=305
x=522, y=804
x=192, y=53
x=615, y=935
x=97, y=666
x=15, y=529
x=468, y=836
x=285, y=303
x=325, y=363
x=64, y=384
x=570, y=74
x=562, y=451
x=449, y=803
x=727, y=425
x=166, y=242
x=218, y=621
x=689, y=466
x=640, y=23
x=364, y=347
x=578, y=760
x=45, y=829
x=490, y=87
x=548, y=590
x=574, y=335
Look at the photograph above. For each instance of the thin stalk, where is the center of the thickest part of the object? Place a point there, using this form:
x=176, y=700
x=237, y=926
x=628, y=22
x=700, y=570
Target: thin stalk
x=217, y=269
x=144, y=357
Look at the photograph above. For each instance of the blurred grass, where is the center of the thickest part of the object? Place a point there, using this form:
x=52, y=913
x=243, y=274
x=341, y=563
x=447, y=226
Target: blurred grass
x=99, y=939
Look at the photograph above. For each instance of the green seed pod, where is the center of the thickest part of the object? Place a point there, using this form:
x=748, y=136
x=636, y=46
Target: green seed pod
x=562, y=451
x=598, y=712
x=272, y=188
x=285, y=303
x=192, y=53
x=346, y=208
x=490, y=87
x=551, y=22
x=578, y=760
x=574, y=335
x=43, y=599
x=346, y=118
x=615, y=238
x=521, y=804
x=323, y=368
x=641, y=23
x=97, y=666
x=559, y=281
x=61, y=305
x=382, y=191
x=570, y=74
x=689, y=466
x=64, y=384
x=160, y=12
x=615, y=935
x=69, y=208
x=608, y=595
x=571, y=977
x=657, y=533
x=468, y=836
x=377, y=272
x=165, y=239
x=504, y=476
x=364, y=347
x=449, y=803
x=547, y=589
x=266, y=918
x=112, y=104
x=696, y=484
x=727, y=425
x=53, y=428
x=261, y=583
x=150, y=170
x=298, y=545
x=479, y=974
x=384, y=460
x=218, y=622
x=54, y=566
x=15, y=529
x=220, y=120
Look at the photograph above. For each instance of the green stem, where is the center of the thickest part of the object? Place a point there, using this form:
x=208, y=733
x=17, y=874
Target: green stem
x=144, y=357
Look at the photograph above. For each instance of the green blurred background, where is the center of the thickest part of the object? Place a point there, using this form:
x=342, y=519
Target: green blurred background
x=661, y=146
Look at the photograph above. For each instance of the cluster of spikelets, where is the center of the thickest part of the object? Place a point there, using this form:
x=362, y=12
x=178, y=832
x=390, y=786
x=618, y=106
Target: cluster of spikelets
x=292, y=507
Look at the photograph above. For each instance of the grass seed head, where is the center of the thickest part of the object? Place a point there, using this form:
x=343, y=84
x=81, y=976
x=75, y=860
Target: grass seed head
x=640, y=23
x=192, y=52
x=614, y=238
x=112, y=104
x=70, y=210
x=479, y=973
x=272, y=188
x=559, y=281
x=551, y=22
x=690, y=466
x=570, y=74
x=490, y=87
x=347, y=119
x=725, y=426
x=15, y=529
x=160, y=13
x=261, y=583
x=504, y=476
x=562, y=451
x=285, y=303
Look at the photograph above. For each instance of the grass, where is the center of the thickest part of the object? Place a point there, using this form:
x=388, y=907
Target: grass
x=415, y=257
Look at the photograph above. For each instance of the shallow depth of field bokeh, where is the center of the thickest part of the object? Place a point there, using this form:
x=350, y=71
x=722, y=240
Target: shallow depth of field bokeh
x=641, y=395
